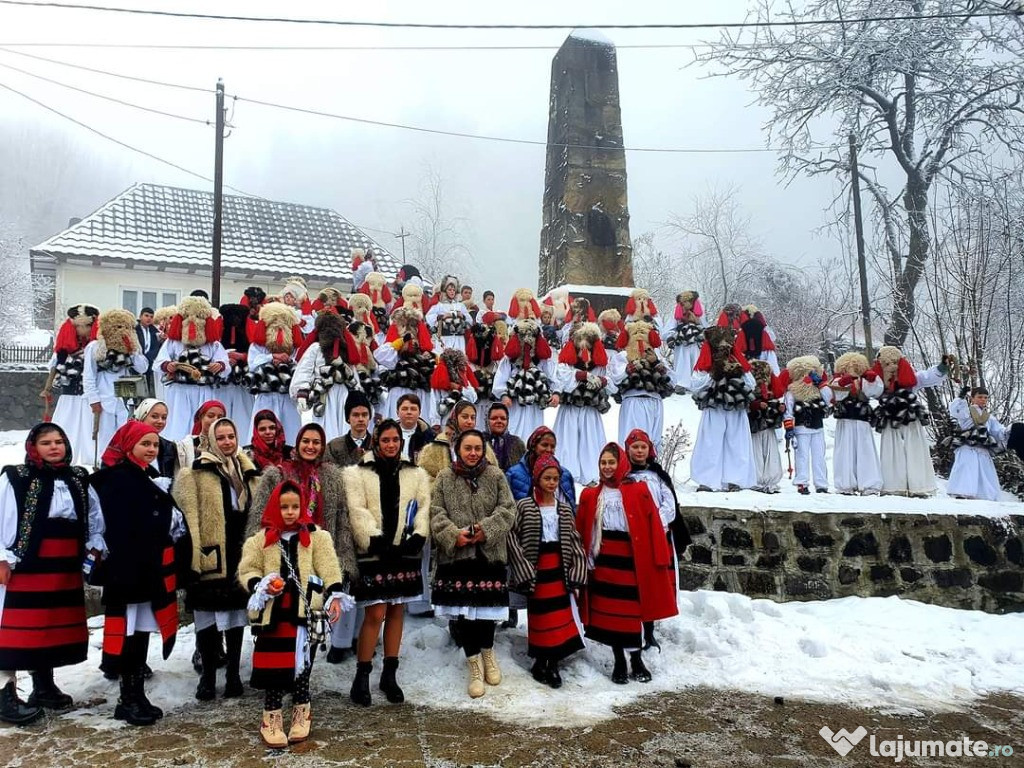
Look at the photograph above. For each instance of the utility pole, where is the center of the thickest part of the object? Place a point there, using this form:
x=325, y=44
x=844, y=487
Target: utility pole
x=401, y=236
x=865, y=301
x=218, y=193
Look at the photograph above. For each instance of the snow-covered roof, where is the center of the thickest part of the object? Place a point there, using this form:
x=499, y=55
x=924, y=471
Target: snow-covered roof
x=152, y=225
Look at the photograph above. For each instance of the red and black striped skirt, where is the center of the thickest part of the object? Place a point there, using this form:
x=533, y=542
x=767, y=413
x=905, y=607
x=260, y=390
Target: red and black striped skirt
x=552, y=630
x=613, y=597
x=43, y=620
x=273, y=656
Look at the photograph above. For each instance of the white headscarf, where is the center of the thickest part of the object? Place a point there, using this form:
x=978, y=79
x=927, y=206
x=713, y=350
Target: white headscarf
x=142, y=409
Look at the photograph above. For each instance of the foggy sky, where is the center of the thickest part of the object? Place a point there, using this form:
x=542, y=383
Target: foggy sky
x=366, y=172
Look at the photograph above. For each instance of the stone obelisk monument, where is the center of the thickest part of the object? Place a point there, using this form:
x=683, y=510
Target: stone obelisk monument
x=584, y=241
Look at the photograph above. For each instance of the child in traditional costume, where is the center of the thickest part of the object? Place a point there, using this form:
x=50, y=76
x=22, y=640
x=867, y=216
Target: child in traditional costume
x=981, y=437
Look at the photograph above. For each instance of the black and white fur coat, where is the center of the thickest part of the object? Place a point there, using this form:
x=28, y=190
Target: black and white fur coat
x=362, y=494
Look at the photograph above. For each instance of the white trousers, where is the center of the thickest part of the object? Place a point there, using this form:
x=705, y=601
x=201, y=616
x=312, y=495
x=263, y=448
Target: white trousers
x=973, y=475
x=906, y=461
x=581, y=437
x=723, y=453
x=809, y=453
x=855, y=465
x=524, y=419
x=767, y=461
x=642, y=412
x=684, y=358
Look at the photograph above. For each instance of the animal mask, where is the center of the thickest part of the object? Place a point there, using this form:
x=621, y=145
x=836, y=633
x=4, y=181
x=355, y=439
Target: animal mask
x=278, y=329
x=117, y=333
x=524, y=305
x=194, y=325
x=852, y=364
x=640, y=305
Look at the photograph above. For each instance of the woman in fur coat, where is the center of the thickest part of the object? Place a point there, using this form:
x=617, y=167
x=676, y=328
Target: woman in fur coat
x=276, y=566
x=901, y=417
x=981, y=437
x=471, y=513
x=631, y=577
x=389, y=510
x=49, y=519
x=323, y=493
x=548, y=565
x=215, y=495
x=148, y=546
x=116, y=352
x=855, y=465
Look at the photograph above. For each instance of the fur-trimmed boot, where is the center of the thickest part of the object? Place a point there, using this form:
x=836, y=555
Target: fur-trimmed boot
x=302, y=720
x=15, y=711
x=476, y=676
x=388, y=683
x=492, y=673
x=45, y=692
x=360, y=693
x=272, y=729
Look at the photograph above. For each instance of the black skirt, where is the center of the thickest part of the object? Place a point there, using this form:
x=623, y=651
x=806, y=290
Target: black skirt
x=388, y=579
x=474, y=582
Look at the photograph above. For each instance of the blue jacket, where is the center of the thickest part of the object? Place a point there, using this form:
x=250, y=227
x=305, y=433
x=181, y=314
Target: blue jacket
x=521, y=484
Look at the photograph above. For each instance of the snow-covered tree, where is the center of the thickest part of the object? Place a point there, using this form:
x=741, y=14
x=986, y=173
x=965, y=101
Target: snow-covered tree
x=438, y=237
x=927, y=87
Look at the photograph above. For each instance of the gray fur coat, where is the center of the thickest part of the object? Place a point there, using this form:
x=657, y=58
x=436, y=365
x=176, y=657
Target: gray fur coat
x=453, y=506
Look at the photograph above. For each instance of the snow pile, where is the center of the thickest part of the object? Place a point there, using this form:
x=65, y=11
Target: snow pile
x=874, y=652
x=36, y=337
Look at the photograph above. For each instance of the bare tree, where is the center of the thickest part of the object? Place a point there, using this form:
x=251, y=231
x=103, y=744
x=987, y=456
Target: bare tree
x=718, y=250
x=20, y=292
x=438, y=237
x=925, y=96
x=656, y=271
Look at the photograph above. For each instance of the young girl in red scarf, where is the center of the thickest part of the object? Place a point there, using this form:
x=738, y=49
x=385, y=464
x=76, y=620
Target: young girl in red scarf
x=190, y=446
x=547, y=563
x=49, y=519
x=138, y=575
x=280, y=565
x=631, y=579
x=268, y=448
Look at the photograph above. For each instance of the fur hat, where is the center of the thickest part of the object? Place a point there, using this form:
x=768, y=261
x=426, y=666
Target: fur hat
x=559, y=301
x=852, y=364
x=80, y=326
x=799, y=368
x=362, y=310
x=640, y=305
x=377, y=289
x=408, y=320
x=295, y=289
x=762, y=372
x=193, y=325
x=361, y=345
x=718, y=353
x=253, y=296
x=894, y=368
x=234, y=327
x=164, y=314
x=116, y=332
x=730, y=316
x=524, y=304
x=329, y=298
x=585, y=346
x=448, y=280
x=278, y=329
x=638, y=340
x=580, y=311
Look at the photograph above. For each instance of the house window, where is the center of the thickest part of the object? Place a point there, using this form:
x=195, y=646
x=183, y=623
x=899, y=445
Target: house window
x=134, y=299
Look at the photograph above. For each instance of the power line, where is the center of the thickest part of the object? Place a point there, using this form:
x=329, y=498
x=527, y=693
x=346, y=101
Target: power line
x=106, y=98
x=433, y=25
x=108, y=137
x=400, y=126
x=314, y=48
x=133, y=78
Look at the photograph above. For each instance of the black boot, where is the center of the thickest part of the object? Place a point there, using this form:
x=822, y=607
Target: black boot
x=455, y=630
x=552, y=676
x=650, y=641
x=15, y=711
x=147, y=672
x=619, y=675
x=360, y=693
x=337, y=655
x=140, y=696
x=45, y=692
x=512, y=621
x=129, y=708
x=539, y=670
x=638, y=671
x=233, y=685
x=207, y=644
x=388, y=684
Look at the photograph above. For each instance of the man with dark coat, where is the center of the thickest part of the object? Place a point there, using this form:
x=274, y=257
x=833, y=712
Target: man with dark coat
x=348, y=450
x=149, y=341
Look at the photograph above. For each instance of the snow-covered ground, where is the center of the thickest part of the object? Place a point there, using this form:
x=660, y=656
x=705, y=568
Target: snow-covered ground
x=896, y=655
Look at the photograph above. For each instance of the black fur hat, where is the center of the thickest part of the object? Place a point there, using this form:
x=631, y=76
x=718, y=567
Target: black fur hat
x=234, y=334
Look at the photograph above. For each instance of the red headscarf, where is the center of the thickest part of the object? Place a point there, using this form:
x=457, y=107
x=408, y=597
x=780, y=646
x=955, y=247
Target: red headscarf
x=265, y=455
x=547, y=461
x=621, y=470
x=197, y=418
x=273, y=522
x=641, y=436
x=307, y=473
x=124, y=440
x=533, y=439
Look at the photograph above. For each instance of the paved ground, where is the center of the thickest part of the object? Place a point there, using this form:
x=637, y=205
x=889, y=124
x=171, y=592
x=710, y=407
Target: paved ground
x=695, y=729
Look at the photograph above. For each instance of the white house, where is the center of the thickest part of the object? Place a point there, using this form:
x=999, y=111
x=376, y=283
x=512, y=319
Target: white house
x=151, y=245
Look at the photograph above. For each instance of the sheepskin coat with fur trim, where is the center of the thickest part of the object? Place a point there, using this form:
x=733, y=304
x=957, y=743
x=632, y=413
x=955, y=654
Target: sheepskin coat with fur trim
x=318, y=558
x=335, y=520
x=218, y=532
x=362, y=492
x=454, y=506
x=437, y=455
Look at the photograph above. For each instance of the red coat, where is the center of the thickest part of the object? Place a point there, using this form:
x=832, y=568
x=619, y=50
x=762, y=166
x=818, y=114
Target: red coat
x=652, y=557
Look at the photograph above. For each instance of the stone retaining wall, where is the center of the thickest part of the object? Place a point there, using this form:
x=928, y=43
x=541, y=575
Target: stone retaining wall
x=957, y=561
x=20, y=406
